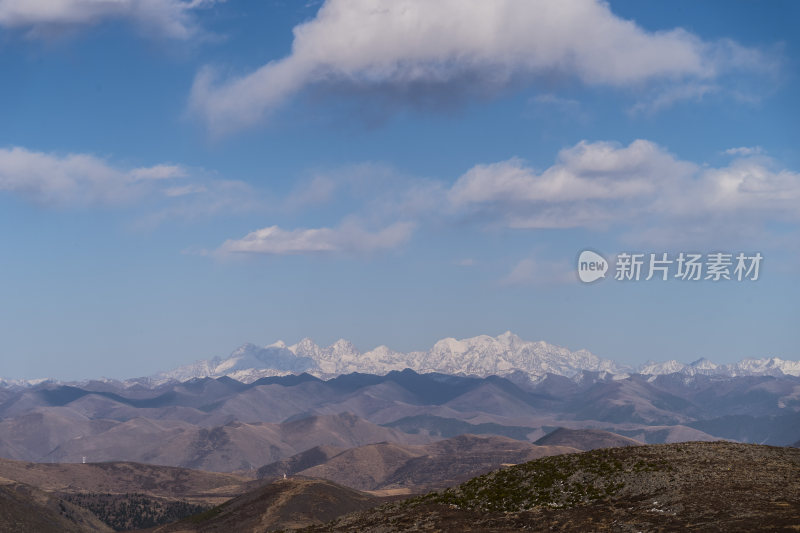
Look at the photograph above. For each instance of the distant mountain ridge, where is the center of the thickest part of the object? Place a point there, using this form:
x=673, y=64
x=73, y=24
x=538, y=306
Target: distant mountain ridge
x=506, y=355
x=225, y=425
x=390, y=466
x=480, y=356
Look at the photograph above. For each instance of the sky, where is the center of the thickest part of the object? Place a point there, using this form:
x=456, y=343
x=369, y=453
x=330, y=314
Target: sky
x=180, y=177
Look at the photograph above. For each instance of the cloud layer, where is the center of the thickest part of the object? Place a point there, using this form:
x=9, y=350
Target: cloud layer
x=593, y=185
x=601, y=183
x=75, y=179
x=39, y=18
x=79, y=180
x=641, y=188
x=406, y=46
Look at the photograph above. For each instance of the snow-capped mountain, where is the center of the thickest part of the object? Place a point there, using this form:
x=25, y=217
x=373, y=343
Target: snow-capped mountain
x=773, y=366
x=478, y=356
x=247, y=363
x=482, y=356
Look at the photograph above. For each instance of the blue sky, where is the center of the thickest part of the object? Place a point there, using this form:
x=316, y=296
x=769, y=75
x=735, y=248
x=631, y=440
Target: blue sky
x=178, y=178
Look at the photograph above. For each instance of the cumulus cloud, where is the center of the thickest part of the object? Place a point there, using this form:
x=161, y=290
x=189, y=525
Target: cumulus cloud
x=75, y=179
x=81, y=180
x=348, y=237
x=407, y=46
x=598, y=184
x=170, y=18
x=582, y=188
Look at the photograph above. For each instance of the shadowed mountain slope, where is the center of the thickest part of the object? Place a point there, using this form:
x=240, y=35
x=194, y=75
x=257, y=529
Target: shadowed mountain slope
x=25, y=509
x=284, y=504
x=387, y=466
x=163, y=481
x=585, y=439
x=439, y=426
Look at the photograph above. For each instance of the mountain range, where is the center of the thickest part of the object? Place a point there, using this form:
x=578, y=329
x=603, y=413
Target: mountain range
x=226, y=425
x=477, y=356
x=482, y=356
x=335, y=413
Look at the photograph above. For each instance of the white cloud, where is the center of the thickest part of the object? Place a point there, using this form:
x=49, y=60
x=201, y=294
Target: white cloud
x=641, y=189
x=407, y=46
x=349, y=237
x=74, y=179
x=579, y=190
x=83, y=180
x=597, y=184
x=170, y=18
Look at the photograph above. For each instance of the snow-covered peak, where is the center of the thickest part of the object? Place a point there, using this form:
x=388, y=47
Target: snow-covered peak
x=704, y=364
x=509, y=339
x=343, y=346
x=304, y=347
x=651, y=368
x=482, y=355
x=773, y=366
x=244, y=349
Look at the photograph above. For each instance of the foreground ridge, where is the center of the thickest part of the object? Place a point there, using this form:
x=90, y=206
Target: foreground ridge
x=717, y=486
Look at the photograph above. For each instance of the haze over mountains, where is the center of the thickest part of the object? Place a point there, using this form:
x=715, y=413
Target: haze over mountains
x=226, y=425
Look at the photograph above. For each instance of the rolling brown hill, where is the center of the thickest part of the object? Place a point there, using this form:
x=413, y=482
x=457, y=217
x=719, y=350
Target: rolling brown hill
x=284, y=504
x=124, y=495
x=695, y=486
x=119, y=478
x=586, y=439
x=299, y=462
x=235, y=446
x=25, y=509
x=409, y=468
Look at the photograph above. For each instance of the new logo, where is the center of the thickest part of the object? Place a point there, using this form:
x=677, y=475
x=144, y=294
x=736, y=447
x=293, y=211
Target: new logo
x=591, y=266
